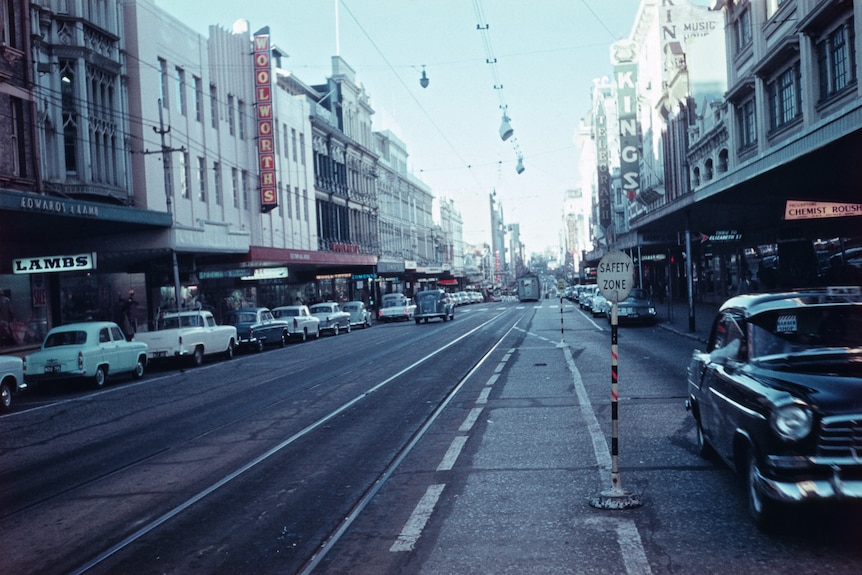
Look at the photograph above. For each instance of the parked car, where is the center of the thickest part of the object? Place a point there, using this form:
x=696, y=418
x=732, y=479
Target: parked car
x=256, y=328
x=585, y=299
x=190, y=334
x=461, y=298
x=636, y=308
x=359, y=314
x=89, y=350
x=395, y=307
x=300, y=323
x=434, y=303
x=332, y=318
x=776, y=396
x=599, y=305
x=11, y=379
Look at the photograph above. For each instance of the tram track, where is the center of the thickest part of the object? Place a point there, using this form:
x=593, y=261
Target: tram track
x=262, y=410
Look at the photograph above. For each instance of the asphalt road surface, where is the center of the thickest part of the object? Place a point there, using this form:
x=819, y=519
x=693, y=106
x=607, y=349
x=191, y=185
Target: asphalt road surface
x=470, y=446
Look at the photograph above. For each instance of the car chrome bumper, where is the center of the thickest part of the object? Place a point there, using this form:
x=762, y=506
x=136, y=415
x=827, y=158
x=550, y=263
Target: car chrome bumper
x=832, y=488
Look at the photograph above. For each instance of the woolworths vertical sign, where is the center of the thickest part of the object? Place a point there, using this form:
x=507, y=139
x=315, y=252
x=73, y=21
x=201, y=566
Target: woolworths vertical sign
x=264, y=106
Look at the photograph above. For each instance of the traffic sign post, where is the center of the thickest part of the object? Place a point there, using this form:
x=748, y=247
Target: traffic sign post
x=615, y=278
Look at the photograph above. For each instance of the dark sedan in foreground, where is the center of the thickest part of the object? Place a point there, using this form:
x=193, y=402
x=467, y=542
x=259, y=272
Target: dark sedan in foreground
x=778, y=396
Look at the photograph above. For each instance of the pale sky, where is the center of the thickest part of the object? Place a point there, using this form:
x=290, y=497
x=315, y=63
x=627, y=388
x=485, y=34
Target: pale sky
x=547, y=53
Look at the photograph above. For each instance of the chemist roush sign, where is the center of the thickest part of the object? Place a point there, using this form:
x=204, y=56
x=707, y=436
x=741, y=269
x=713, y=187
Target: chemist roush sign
x=802, y=210
x=265, y=124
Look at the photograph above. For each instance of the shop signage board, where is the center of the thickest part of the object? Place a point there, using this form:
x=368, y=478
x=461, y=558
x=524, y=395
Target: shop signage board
x=53, y=264
x=804, y=210
x=265, y=124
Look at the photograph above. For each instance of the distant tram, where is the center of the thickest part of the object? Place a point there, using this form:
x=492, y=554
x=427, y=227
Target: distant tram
x=529, y=288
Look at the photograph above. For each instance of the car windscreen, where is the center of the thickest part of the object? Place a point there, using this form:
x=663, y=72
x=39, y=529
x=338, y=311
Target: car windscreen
x=236, y=318
x=799, y=330
x=59, y=338
x=285, y=312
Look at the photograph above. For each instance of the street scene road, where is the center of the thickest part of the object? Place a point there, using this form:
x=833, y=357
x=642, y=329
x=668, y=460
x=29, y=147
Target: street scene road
x=471, y=446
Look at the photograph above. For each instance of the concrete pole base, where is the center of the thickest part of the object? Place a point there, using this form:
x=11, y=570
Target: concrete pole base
x=615, y=499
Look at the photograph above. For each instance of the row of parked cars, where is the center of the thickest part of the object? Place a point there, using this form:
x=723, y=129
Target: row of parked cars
x=636, y=308
x=96, y=350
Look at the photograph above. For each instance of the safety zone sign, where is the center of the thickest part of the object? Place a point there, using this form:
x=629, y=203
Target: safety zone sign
x=615, y=276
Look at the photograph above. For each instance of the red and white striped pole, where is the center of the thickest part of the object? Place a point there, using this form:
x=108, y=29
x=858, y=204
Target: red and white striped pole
x=615, y=278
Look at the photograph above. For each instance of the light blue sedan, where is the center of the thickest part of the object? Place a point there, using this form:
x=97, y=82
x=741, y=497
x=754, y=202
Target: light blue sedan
x=89, y=350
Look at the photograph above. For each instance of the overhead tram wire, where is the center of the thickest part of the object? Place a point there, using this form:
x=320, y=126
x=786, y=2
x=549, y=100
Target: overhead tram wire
x=401, y=81
x=506, y=130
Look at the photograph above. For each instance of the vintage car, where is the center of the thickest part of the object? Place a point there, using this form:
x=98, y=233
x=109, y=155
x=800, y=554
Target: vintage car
x=256, y=328
x=332, y=318
x=434, y=303
x=585, y=300
x=599, y=305
x=395, y=307
x=636, y=308
x=11, y=379
x=300, y=323
x=777, y=396
x=91, y=350
x=359, y=314
x=190, y=335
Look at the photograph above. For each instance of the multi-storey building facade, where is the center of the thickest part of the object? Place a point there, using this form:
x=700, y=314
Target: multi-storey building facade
x=149, y=161
x=757, y=178
x=22, y=319
x=409, y=244
x=452, y=240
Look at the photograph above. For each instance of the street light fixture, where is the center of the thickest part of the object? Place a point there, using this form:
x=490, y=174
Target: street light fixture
x=506, y=129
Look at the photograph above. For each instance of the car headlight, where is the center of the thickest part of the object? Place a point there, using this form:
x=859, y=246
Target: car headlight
x=792, y=422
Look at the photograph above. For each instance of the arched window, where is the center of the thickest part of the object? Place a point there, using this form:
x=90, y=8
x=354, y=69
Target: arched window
x=696, y=176
x=722, y=161
x=708, y=172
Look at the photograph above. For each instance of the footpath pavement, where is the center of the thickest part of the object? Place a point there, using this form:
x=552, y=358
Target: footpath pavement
x=541, y=455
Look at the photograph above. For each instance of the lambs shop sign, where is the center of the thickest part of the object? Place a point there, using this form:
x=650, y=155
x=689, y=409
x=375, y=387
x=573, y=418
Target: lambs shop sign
x=50, y=264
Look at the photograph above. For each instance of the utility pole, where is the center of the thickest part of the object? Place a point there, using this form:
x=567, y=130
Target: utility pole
x=166, y=152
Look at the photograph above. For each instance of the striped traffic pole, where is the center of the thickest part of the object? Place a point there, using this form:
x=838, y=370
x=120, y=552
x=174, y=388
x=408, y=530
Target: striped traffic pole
x=615, y=497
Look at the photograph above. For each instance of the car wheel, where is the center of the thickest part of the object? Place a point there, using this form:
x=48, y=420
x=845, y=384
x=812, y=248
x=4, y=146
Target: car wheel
x=259, y=346
x=445, y=316
x=198, y=356
x=303, y=336
x=348, y=328
x=283, y=341
x=764, y=511
x=140, y=367
x=231, y=350
x=317, y=332
x=5, y=395
x=418, y=320
x=335, y=329
x=101, y=376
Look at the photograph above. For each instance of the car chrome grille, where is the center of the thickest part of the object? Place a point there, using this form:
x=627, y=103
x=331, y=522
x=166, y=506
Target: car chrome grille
x=841, y=438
